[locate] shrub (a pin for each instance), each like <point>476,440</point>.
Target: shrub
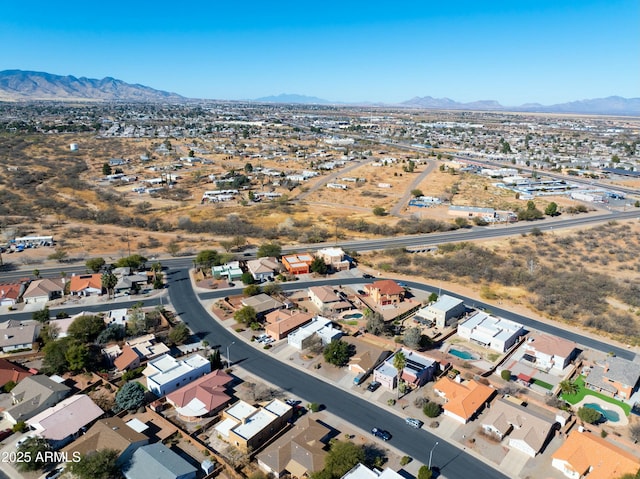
<point>506,375</point>
<point>589,415</point>
<point>313,407</point>
<point>405,460</point>
<point>432,409</point>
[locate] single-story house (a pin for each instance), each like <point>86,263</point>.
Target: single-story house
<point>360,471</point>
<point>109,433</point>
<point>297,263</point>
<point>463,400</point>
<point>327,301</point>
<point>491,332</point>
<point>584,454</point>
<point>43,290</point>
<point>16,335</point>
<point>201,397</point>
<point>10,293</point>
<point>262,303</point>
<point>281,322</point>
<point>60,423</point>
<point>12,372</point>
<point>85,284</point>
<point>615,376</point>
<point>166,374</point>
<point>301,452</point>
<point>264,269</point>
<point>528,430</point>
<point>231,271</point>
<point>320,327</point>
<point>33,395</point>
<point>157,461</point>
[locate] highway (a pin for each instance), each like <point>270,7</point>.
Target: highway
<point>12,272</point>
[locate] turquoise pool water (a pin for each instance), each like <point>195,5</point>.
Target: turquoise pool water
<point>353,316</point>
<point>608,414</point>
<point>461,354</point>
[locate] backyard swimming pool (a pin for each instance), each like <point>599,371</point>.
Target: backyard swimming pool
<point>353,316</point>
<point>461,354</point>
<point>608,414</point>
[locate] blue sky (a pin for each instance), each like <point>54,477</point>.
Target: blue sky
<point>515,51</point>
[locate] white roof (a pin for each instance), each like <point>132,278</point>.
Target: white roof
<point>446,302</point>
<point>166,368</point>
<point>360,471</point>
<point>195,408</point>
<point>137,425</point>
<point>225,426</point>
<point>308,329</point>
<point>240,410</point>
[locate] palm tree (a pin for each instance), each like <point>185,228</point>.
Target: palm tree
<point>567,387</point>
<point>109,281</point>
<point>399,362</point>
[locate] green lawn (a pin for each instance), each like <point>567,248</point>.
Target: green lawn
<point>542,384</point>
<point>583,391</point>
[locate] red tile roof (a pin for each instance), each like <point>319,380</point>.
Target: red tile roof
<point>387,286</point>
<point>209,389</point>
<point>12,372</point>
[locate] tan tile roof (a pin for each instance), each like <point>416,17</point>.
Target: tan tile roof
<point>289,322</point>
<point>127,357</point>
<point>110,433</point>
<point>583,451</point>
<point>463,399</point>
<point>43,287</point>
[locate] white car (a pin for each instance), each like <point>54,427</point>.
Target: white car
<point>22,440</point>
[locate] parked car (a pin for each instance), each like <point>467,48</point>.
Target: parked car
<point>415,423</point>
<point>367,276</point>
<point>381,433</point>
<point>55,473</point>
<point>22,440</point>
<point>373,385</point>
<point>5,434</point>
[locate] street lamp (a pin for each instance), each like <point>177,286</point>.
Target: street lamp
<point>431,454</point>
<point>228,358</point>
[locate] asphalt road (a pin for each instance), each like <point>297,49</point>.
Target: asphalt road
<point>453,463</point>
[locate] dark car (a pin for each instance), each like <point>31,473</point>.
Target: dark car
<point>381,433</point>
<point>367,276</point>
<point>373,385</point>
<point>5,434</point>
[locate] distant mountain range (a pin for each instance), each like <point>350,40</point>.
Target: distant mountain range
<point>613,105</point>
<point>293,98</point>
<point>19,85</point>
